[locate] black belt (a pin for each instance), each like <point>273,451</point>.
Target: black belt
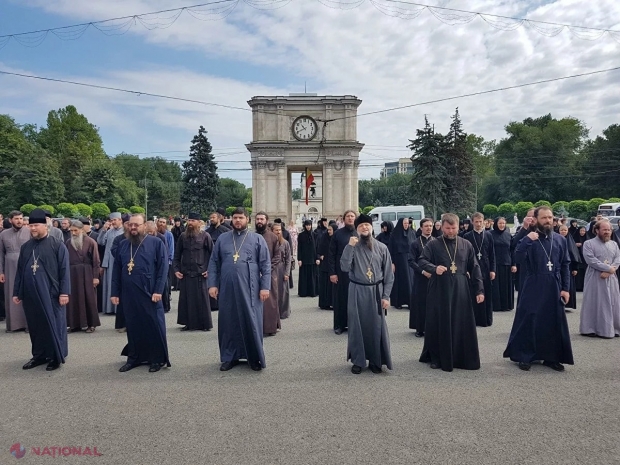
<point>377,292</point>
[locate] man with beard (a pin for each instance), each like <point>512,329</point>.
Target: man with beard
<point>65,225</point>
<point>540,329</point>
<point>417,307</point>
<point>221,213</point>
<point>450,339</point>
<point>600,309</point>
<point>369,266</point>
<point>216,228</point>
<point>84,271</point>
<point>110,230</point>
<point>119,319</point>
<point>287,237</point>
<point>43,286</point>
<point>191,261</point>
<point>482,241</point>
<point>138,281</point>
<point>11,241</point>
<point>529,225</point>
<point>239,276</point>
<point>340,278</point>
<point>177,230</point>
<point>271,312</point>
<point>162,228</point>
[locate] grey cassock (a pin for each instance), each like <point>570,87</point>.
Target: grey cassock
<point>10,244</point>
<point>600,308</point>
<point>368,337</point>
<point>106,238</point>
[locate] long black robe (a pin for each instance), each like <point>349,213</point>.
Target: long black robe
<point>287,236</point>
<point>325,285</point>
<point>398,246</point>
<point>93,234</point>
<point>215,233</point>
<point>483,245</point>
<point>503,286</point>
<point>119,319</point>
<point>518,278</point>
<point>306,254</point>
<point>191,258</point>
<point>176,233</point>
<point>384,237</point>
<point>575,260</point>
<point>339,241</point>
<point>419,292</point>
<point>39,291</point>
<point>450,338</point>
<point>145,319</point>
<point>540,329</point>
<point>583,266</point>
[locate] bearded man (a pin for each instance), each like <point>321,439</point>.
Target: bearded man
<point>271,311</point>
<point>162,228</point>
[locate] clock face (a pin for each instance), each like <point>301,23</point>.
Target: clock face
<point>304,128</point>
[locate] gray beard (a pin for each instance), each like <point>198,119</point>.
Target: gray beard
<point>367,241</point>
<point>77,242</point>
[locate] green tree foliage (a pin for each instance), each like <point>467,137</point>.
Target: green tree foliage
<point>296,193</point>
<point>540,159</point>
<point>136,209</point>
<point>27,208</point>
<point>367,209</point>
<point>247,202</point>
<point>428,182</point>
<point>614,200</point>
<point>521,208</point>
<point>230,210</point>
<point>200,179</point>
<point>506,210</point>
<point>100,210</point>
<point>83,209</point>
<point>593,205</point>
<point>560,207</point>
<point>123,210</point>
<point>542,203</point>
<point>482,154</point>
<point>460,193</point>
<point>579,209</point>
<point>49,208</point>
<point>395,190</point>
<point>68,210</point>
<point>600,167</point>
<point>490,210</point>
<point>231,192</point>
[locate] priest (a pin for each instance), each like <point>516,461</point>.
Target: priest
<point>368,263</point>
<point>417,307</point>
<point>239,276</point>
<point>43,286</point>
<point>271,310</point>
<point>400,241</point>
<point>191,260</point>
<point>138,280</point>
<point>450,339</point>
<point>600,310</point>
<point>540,330</point>
<point>110,230</point>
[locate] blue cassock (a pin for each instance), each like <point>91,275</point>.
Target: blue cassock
<point>540,329</point>
<point>240,319</point>
<point>145,319</point>
<point>39,292</point>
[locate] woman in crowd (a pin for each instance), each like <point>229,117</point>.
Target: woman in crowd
<point>503,287</point>
<point>325,285</point>
<point>580,237</point>
<point>400,240</point>
<point>307,261</point>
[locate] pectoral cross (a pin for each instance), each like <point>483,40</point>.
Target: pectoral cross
<point>606,262</point>
<point>34,267</point>
<point>130,266</point>
<point>235,257</point>
<point>479,256</point>
<point>369,274</point>
<point>550,265</point>
<point>453,268</point>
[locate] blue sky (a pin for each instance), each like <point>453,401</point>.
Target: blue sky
<point>386,61</point>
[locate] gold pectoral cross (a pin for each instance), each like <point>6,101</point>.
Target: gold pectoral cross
<point>130,266</point>
<point>453,268</point>
<point>34,267</point>
<point>235,257</point>
<point>369,274</point>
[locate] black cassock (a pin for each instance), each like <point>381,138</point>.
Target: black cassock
<point>325,285</point>
<point>145,319</point>
<point>503,287</point>
<point>450,338</point>
<point>306,254</point>
<point>518,278</point>
<point>191,258</point>
<point>340,239</point>
<point>484,251</point>
<point>417,307</point>
<point>39,290</point>
<point>400,240</point>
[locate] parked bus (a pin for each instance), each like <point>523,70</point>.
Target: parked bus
<point>394,213</point>
<point>609,209</point>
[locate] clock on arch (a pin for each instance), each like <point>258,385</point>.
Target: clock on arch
<point>304,128</point>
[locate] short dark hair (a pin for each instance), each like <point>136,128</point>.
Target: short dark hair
<point>262,213</point>
<point>15,213</point>
<point>450,218</point>
<point>141,215</point>
<point>477,215</point>
<point>240,211</point>
<point>423,221</point>
<point>541,208</point>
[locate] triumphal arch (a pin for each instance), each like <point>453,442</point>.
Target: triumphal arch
<point>304,133</point>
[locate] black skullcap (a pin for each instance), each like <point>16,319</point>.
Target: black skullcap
<point>37,216</point>
<point>193,216</point>
<point>125,217</point>
<point>221,211</point>
<point>176,218</point>
<point>47,213</point>
<point>278,220</point>
<point>363,219</point>
<point>84,220</point>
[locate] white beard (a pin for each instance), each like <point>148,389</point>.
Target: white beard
<point>77,242</point>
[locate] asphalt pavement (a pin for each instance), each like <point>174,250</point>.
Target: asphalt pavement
<point>307,407</point>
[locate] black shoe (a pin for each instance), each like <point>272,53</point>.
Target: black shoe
<point>126,367</point>
<point>185,328</point>
<point>34,362</point>
<point>154,368</point>
<point>229,365</point>
<point>554,366</point>
<point>525,366</point>
<point>434,366</point>
<point>356,369</point>
<point>52,365</point>
<point>256,366</point>
<point>419,334</point>
<point>338,331</point>
<point>375,369</point>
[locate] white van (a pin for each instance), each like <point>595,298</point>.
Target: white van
<point>394,213</point>
<point>609,209</point>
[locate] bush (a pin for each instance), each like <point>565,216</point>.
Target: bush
<point>365,210</point>
<point>506,210</point>
<point>136,209</point>
<point>100,211</point>
<point>522,208</point>
<point>613,200</point>
<point>560,207</point>
<point>593,205</point>
<point>579,209</point>
<point>123,210</point>
<point>49,208</point>
<point>68,210</point>
<point>27,208</point>
<point>230,210</point>
<point>489,210</point>
<point>542,203</point>
<point>83,209</point>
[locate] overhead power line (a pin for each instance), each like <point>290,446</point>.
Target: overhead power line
<point>221,9</point>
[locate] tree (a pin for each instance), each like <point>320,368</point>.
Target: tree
<point>601,154</point>
<point>461,182</point>
<point>200,179</point>
<point>49,208</point>
<point>560,207</point>
<point>367,209</point>
<point>593,205</point>
<point>542,203</point>
<point>68,210</point>
<point>136,209</point>
<point>521,208</point>
<point>506,210</point>
<point>579,209</point>
<point>489,210</point>
<point>231,192</point>
<point>296,193</point>
<point>100,210</point>
<point>483,158</point>
<point>428,181</point>
<point>27,208</point>
<point>83,209</point>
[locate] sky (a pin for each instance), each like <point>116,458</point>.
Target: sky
<point>228,52</point>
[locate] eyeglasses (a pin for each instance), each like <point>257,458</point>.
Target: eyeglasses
<point>134,225</point>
